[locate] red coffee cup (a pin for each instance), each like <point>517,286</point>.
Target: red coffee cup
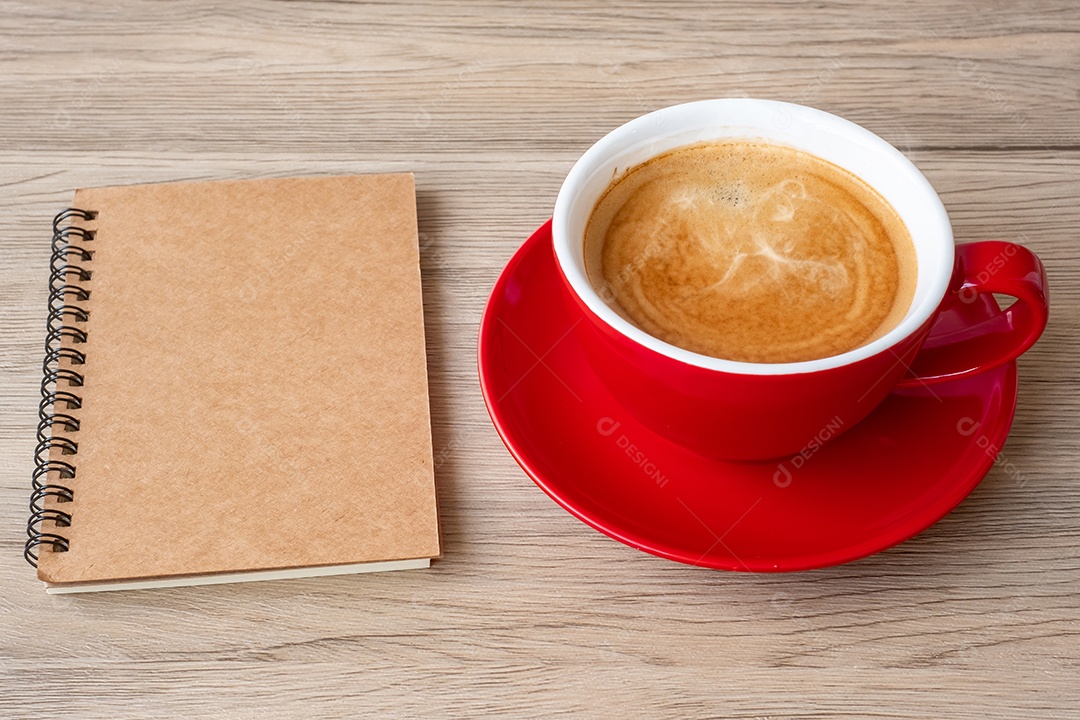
<point>760,411</point>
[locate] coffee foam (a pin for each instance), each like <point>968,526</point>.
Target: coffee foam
<point>750,251</point>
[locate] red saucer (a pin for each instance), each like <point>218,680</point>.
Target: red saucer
<point>892,476</point>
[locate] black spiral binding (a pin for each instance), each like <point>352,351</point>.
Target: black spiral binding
<point>65,327</point>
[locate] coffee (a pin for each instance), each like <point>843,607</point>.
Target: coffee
<point>749,251</point>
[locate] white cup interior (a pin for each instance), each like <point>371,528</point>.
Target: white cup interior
<point>827,136</point>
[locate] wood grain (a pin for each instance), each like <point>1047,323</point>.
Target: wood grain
<point>531,613</point>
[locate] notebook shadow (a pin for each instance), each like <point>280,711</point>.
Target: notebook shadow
<point>438,340</point>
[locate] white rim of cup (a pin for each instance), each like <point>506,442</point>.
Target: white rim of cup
<point>833,138</point>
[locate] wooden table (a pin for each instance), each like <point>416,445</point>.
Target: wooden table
<point>531,613</point>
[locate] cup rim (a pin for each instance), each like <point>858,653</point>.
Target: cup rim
<point>643,128</point>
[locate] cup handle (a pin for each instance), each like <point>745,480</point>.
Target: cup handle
<point>991,266</point>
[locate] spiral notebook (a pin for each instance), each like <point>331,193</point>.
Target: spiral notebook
<point>235,386</point>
